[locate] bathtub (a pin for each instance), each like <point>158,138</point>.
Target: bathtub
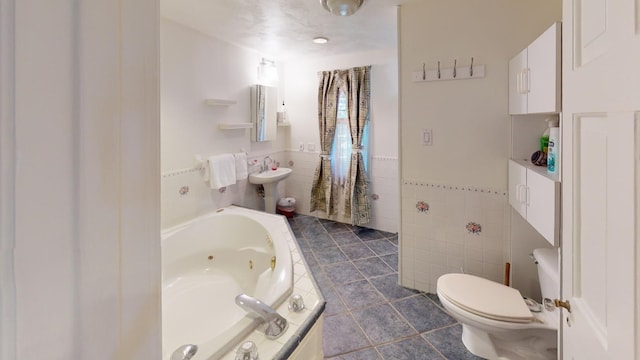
<point>206,263</point>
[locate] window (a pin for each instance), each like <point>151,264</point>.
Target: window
<point>341,147</point>
<point>343,144</point>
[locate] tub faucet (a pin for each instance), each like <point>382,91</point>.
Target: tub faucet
<point>265,166</point>
<point>184,352</point>
<point>275,324</point>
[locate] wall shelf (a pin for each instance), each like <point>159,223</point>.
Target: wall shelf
<point>219,102</point>
<point>541,170</point>
<point>235,126</point>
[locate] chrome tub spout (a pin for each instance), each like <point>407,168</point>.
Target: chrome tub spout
<point>275,324</point>
<point>184,352</point>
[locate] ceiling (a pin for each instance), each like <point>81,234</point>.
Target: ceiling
<point>282,29</point>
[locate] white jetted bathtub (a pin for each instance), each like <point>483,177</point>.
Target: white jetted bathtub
<point>206,263</point>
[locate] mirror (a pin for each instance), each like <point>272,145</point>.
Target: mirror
<point>264,106</point>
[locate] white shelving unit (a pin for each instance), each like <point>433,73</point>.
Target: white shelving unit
<point>534,88</point>
<point>227,125</point>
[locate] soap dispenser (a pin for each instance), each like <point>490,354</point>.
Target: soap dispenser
<point>281,116</point>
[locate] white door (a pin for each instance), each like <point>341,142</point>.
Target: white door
<point>542,202</point>
<point>543,64</point>
<point>517,90</point>
<point>518,188</point>
<point>601,107</point>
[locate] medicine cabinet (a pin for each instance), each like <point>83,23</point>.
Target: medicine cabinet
<point>264,106</point>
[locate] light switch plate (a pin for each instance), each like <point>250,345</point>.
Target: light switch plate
<point>427,137</point>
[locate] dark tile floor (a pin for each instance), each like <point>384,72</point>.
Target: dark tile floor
<point>368,315</point>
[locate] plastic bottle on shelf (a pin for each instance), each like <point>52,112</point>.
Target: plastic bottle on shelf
<point>544,139</point>
<point>553,156</point>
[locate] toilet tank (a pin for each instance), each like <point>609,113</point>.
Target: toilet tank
<point>548,271</point>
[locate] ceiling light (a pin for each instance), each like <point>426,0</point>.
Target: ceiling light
<point>341,7</point>
<point>320,40</point>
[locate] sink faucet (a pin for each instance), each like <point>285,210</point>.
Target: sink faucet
<point>275,324</point>
<point>265,165</point>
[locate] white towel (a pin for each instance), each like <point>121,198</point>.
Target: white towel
<point>222,170</point>
<point>241,165</point>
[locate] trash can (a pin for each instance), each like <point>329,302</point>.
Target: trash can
<point>286,206</point>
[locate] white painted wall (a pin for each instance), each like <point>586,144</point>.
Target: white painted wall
<point>471,129</point>
<point>301,92</point>
<point>194,67</point>
<point>80,140</point>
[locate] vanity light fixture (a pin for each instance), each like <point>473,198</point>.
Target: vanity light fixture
<point>265,62</point>
<point>267,72</point>
<point>342,7</point>
<point>320,40</point>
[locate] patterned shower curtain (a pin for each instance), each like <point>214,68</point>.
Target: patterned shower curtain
<point>358,92</point>
<point>321,195</point>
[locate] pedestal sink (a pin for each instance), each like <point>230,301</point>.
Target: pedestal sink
<point>269,179</point>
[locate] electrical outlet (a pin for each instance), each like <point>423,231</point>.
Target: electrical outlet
<point>311,147</point>
<point>427,137</point>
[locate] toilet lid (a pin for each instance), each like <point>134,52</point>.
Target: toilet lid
<point>484,298</point>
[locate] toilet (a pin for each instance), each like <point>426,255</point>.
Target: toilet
<point>497,322</point>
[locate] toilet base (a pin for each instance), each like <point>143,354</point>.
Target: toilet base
<point>518,345</point>
<point>478,342</point>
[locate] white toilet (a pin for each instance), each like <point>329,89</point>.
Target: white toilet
<point>497,322</point>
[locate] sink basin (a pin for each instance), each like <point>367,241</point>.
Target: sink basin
<point>270,176</point>
<point>269,180</point>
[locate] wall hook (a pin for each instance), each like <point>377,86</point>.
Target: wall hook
<point>467,71</point>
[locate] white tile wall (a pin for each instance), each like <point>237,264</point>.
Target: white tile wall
<point>177,207</point>
<point>199,199</point>
<point>437,241</point>
<point>383,175</point>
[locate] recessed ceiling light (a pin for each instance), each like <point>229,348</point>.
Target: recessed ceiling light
<point>320,40</point>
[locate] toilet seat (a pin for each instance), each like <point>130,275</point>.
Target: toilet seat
<point>485,298</point>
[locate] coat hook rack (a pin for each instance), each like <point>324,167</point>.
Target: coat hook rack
<point>476,71</point>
